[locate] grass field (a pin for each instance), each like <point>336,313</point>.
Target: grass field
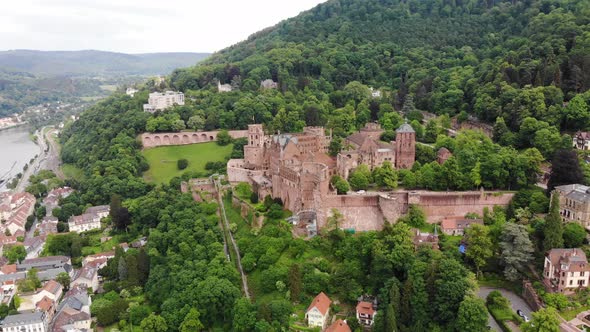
<point>163,159</point>
<point>72,172</point>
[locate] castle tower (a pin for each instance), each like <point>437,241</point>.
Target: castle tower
<point>405,146</point>
<point>254,150</point>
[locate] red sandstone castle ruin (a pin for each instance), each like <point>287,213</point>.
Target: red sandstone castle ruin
<point>296,168</point>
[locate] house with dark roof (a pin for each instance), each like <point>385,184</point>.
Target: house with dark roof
<point>457,225</point>
<point>574,203</point>
<point>318,311</point>
<point>581,140</point>
<point>566,270</point>
<point>36,321</point>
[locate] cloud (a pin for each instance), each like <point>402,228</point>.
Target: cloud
<point>137,26</point>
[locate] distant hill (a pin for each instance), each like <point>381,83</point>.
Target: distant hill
<point>87,63</point>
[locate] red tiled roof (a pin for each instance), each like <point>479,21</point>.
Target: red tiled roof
<point>339,326</point>
<point>52,287</point>
<point>365,308</point>
<point>322,302</point>
<point>8,269</point>
<point>45,304</point>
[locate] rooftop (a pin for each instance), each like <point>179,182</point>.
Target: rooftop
<point>321,302</point>
<point>23,319</point>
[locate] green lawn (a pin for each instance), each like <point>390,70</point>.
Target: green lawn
<point>72,172</point>
<point>163,159</point>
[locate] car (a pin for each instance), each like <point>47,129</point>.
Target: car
<point>520,313</point>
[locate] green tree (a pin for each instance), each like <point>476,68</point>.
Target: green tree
<point>358,180</point>
<point>473,315</point>
<point>573,235</point>
<point>64,279</point>
<point>244,316</point>
<point>335,146</point>
<point>196,122</point>
<point>479,245</point>
<point>181,164</point>
<point>15,253</point>
<point>191,322</point>
<point>565,169</point>
<point>223,138</point>
<point>154,323</point>
<point>516,250</point>
<point>340,185</point>
<point>553,229</point>
<point>544,320</point>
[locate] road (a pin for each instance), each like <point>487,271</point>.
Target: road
<point>48,158</point>
<point>52,160</point>
<point>516,302</point>
<point>231,237</point>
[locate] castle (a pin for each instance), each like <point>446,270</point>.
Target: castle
<point>296,168</point>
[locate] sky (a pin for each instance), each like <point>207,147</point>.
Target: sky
<point>139,26</point>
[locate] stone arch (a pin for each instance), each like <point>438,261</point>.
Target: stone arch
<point>211,138</point>
<point>203,137</point>
<point>166,140</point>
<point>195,138</point>
<point>147,142</point>
<point>175,139</point>
<point>186,139</point>
<point>157,140</point>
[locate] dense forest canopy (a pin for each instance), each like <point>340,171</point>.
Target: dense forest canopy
<point>511,59</point>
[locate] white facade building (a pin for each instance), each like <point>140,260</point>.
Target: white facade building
<point>160,101</point>
<point>30,322</point>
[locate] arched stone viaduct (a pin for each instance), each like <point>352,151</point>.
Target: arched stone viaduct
<point>152,140</point>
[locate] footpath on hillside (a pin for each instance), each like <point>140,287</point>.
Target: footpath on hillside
<point>231,237</point>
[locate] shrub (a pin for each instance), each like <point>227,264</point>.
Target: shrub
<point>182,164</point>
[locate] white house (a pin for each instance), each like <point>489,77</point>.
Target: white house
<point>318,311</point>
<point>29,322</point>
<point>52,290</point>
<point>87,276</point>
<point>161,101</point>
<point>89,220</point>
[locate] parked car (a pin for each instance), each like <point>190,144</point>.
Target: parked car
<point>520,313</point>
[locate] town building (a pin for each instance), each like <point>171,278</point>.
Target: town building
<point>223,87</point>
<point>365,313</point>
<point>581,140</point>
<point>158,101</point>
<point>421,239</point>
<point>87,276</point>
<point>375,93</point>
<point>318,311</point>
<point>442,155</point>
<point>456,225</point>
<point>574,203</point>
<point>51,201</point>
<point>73,313</point>
<point>268,84</point>
<point>131,92</point>
<point>14,210</point>
<point>89,220</point>
<point>50,292</point>
<point>29,322</point>
<point>339,326</point>
<point>566,269</point>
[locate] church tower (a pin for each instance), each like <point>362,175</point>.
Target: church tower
<point>405,146</point>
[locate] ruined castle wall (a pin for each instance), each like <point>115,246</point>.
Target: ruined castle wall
<point>236,172</point>
<point>439,205</point>
<point>394,205</point>
<point>361,213</point>
<point>151,140</point>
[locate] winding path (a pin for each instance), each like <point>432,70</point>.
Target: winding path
<point>516,302</point>
<point>231,237</point>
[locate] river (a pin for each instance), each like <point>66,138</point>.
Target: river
<point>16,150</point>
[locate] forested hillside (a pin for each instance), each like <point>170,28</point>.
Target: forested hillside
<point>511,59</point>
<point>520,65</point>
